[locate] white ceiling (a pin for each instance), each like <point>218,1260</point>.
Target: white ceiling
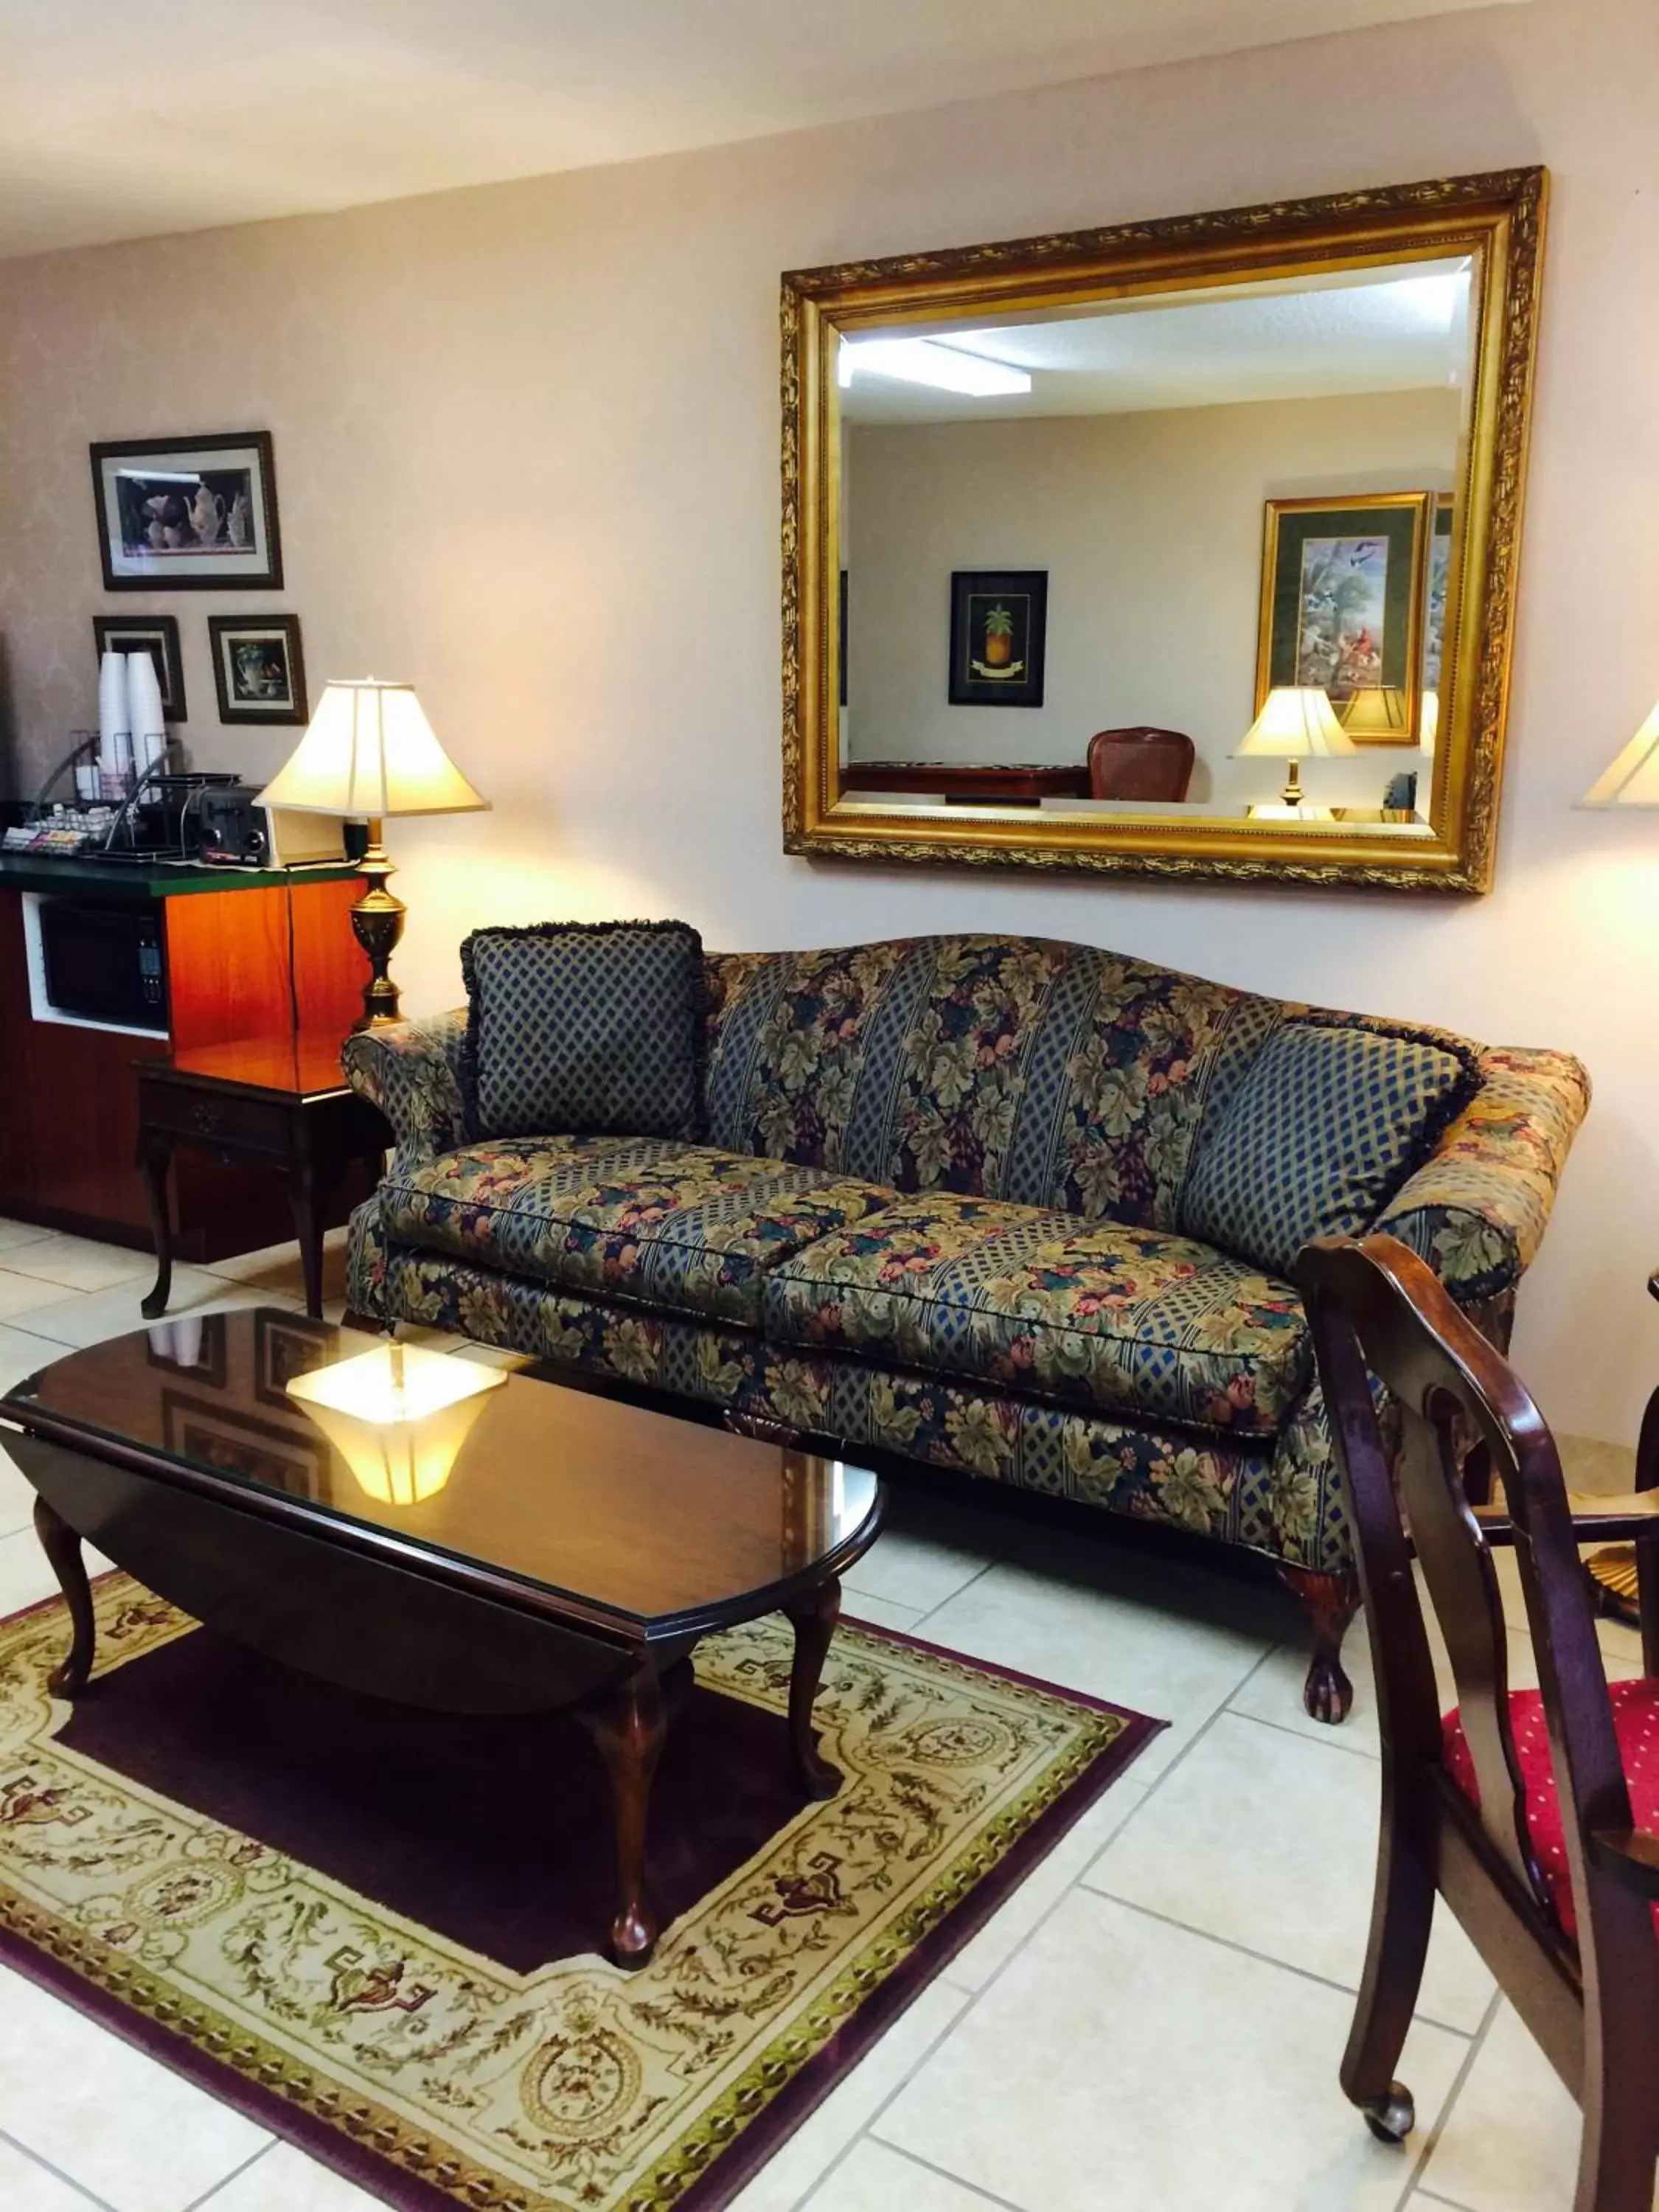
<point>1398,328</point>
<point>124,120</point>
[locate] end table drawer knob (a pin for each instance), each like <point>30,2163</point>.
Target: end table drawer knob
<point>208,1120</point>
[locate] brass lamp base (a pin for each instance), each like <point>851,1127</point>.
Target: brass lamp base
<point>377,923</point>
<point>1293,794</point>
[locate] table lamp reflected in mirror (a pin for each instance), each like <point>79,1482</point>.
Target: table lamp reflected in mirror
<point>369,751</point>
<point>397,1416</point>
<point>1296,722</point>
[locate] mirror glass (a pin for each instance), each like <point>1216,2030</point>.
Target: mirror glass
<point>1180,553</point>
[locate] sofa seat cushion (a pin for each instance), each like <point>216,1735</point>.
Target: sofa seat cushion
<point>1118,1319</point>
<point>650,1219</point>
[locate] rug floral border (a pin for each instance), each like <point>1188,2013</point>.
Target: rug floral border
<point>385,2154</point>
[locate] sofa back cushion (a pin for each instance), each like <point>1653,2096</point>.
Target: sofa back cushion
<point>577,1028</point>
<point>1017,1069</point>
<point>1331,1116</point>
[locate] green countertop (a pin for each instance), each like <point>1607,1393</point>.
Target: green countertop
<point>148,879</point>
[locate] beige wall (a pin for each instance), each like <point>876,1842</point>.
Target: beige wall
<point>1150,527</point>
<point>526,438</point>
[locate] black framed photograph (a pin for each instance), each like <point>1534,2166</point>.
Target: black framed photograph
<point>295,1459</point>
<point>998,626</point>
<point>259,669</point>
<point>285,1346</point>
<point>188,513</point>
<point>155,635</point>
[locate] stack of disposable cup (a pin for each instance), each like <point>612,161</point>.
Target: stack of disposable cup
<point>149,735</point>
<point>114,725</point>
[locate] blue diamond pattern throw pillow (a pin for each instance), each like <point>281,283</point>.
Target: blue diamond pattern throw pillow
<point>1326,1125</point>
<point>584,1029</point>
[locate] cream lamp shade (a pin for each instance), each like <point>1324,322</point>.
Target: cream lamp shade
<point>369,751</point>
<point>1428,721</point>
<point>1295,720</point>
<point>1633,778</point>
<point>397,1416</point>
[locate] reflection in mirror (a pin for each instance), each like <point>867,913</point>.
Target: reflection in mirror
<point>1082,549</point>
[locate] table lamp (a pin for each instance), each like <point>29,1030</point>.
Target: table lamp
<point>1632,780</point>
<point>1294,721</point>
<point>369,751</point>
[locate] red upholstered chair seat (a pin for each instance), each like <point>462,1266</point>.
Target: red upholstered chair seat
<point>1635,1723</point>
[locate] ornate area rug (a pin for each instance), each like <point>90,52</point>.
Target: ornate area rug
<point>373,1930</point>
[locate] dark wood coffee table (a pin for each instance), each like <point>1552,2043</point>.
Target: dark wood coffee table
<point>527,1546</point>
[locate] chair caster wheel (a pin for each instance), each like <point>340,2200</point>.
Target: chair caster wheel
<point>1391,2118</point>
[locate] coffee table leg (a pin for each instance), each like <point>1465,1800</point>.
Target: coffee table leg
<point>628,1722</point>
<point>62,1547</point>
<point>814,1618</point>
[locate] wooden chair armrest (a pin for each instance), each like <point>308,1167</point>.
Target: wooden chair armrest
<point>1629,1856</point>
<point>1619,1517</point>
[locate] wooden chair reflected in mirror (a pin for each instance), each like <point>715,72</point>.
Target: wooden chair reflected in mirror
<point>1532,1813</point>
<point>1140,763</point>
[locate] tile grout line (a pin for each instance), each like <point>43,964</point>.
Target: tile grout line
<point>1348,1750</point>
<point>978,1575</point>
<point>944,2173</point>
<point>1460,2079</point>
<point>800,2203</point>
<point>974,1997</point>
<point>1263,1958</point>
<point>235,2174</point>
<point>56,2171</point>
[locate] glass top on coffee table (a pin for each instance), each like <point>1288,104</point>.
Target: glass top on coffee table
<point>575,1499</point>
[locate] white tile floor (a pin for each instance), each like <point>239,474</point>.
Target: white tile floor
<point>1151,2023</point>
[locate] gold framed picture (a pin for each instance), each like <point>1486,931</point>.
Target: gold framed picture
<point>1342,607</point>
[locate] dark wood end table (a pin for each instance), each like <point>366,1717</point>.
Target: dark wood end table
<point>280,1102</point>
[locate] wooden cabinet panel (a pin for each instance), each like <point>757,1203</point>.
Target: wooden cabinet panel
<point>227,962</point>
<point>68,1107</point>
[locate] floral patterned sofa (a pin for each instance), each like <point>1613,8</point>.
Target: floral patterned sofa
<point>944,1209</point>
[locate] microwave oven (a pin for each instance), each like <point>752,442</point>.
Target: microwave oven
<point>105,962</point>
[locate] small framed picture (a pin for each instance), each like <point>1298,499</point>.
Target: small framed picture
<point>259,669</point>
<point>155,635</point>
<point>188,513</point>
<point>999,622</point>
<point>285,1346</point>
<point>244,1447</point>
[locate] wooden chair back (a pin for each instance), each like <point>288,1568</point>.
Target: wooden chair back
<point>1384,1324</point>
<point>1141,762</point>
<point>1375,1306</point>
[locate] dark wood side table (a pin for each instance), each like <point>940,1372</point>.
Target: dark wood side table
<point>280,1102</point>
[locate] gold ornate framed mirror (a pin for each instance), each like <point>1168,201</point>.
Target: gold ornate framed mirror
<point>1184,547</point>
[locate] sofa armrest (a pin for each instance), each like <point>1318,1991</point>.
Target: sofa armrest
<point>1475,1210</point>
<point>411,1072</point>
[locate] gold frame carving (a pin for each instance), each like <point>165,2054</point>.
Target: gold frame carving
<point>1497,219</point>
